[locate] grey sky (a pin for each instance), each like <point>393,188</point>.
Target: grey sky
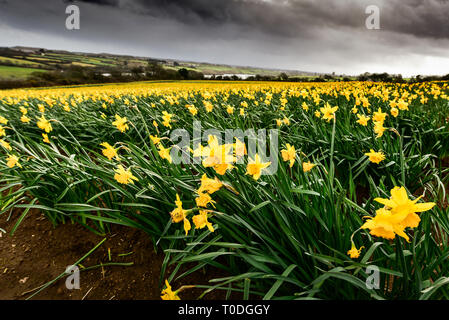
<point>309,35</point>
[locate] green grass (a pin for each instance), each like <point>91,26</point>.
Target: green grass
<point>16,73</point>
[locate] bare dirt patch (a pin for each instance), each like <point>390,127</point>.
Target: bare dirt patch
<point>39,252</point>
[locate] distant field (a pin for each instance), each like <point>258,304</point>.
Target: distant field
<point>105,63</point>
<point>16,73</point>
<point>20,64</point>
<point>81,64</point>
<point>18,61</point>
<point>39,58</point>
<point>67,58</point>
<point>218,70</point>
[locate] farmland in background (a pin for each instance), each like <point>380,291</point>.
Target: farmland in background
<point>42,60</point>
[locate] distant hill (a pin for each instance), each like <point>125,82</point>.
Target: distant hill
<point>18,63</point>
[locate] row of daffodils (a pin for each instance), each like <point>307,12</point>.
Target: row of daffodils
<point>122,112</point>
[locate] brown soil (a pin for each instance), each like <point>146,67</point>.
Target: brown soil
<point>38,253</point>
<point>363,194</point>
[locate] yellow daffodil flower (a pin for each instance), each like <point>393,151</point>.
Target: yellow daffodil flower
<point>44,124</point>
<point>255,167</point>
<point>375,157</point>
<point>363,120</point>
<point>45,138</point>
<point>124,176</point>
<point>307,166</point>
<point>12,161</point>
<point>168,293</point>
<point>399,203</point>
<point>289,154</point>
<point>200,221</point>
<point>5,145</point>
<point>354,253</point>
<point>328,112</point>
<point>109,151</point>
<point>121,123</point>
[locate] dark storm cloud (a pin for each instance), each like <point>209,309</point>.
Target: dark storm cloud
<point>278,17</point>
<point>99,2</point>
<point>323,36</point>
<point>288,18</point>
<point>421,18</point>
